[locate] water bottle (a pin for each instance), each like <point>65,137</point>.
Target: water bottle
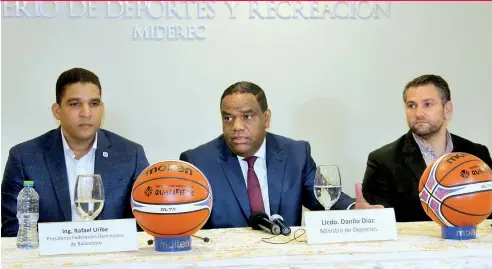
<point>28,215</point>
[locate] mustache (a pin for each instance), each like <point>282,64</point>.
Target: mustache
<point>421,119</point>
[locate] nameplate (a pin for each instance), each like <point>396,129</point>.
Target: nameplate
<point>333,226</point>
<point>87,236</point>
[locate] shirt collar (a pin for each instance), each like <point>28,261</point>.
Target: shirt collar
<point>66,147</point>
<point>427,147</point>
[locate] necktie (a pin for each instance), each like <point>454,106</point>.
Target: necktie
<point>254,189</point>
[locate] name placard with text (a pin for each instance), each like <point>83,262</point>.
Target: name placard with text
<point>333,226</point>
<point>87,236</point>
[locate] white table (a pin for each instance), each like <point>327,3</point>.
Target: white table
<point>419,246</point>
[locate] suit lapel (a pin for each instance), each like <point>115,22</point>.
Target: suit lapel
<point>457,144</point>
<point>413,156</point>
<point>232,170</point>
<point>55,162</point>
<point>275,161</point>
<point>102,162</point>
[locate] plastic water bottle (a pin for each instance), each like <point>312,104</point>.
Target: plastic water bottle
<point>28,215</point>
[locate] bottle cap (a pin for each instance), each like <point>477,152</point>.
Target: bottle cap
<point>28,183</point>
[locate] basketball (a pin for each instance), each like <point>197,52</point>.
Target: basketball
<point>171,199</point>
<point>456,190</point>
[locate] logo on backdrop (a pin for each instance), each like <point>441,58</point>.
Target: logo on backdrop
<point>164,20</point>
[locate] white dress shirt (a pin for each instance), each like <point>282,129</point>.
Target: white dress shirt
<point>261,172</point>
<point>85,165</point>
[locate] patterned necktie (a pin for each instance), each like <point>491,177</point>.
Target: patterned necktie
<point>254,189</point>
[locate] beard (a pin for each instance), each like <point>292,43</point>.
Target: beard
<point>426,130</point>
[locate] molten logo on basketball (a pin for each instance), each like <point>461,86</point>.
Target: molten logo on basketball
<point>169,167</point>
<point>171,199</point>
<point>456,156</point>
<point>456,190</point>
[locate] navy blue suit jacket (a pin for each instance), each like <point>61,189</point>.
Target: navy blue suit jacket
<point>290,176</point>
<point>42,160</point>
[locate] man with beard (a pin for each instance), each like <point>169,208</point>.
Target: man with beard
<point>393,171</point>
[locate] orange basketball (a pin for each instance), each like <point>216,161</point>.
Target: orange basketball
<point>171,199</point>
<point>456,190</point>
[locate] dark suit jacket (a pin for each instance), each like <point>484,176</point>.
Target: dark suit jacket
<point>290,176</point>
<point>42,160</point>
<point>393,173</point>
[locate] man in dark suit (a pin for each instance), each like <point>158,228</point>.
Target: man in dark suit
<point>393,171</point>
<point>251,170</point>
<point>54,159</point>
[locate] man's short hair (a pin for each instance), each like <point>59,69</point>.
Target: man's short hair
<point>72,76</point>
<point>427,79</point>
<point>247,87</point>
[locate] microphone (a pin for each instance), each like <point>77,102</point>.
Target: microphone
<point>205,239</point>
<point>260,220</point>
<point>277,219</point>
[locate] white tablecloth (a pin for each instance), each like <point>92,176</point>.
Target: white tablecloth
<point>418,246</point>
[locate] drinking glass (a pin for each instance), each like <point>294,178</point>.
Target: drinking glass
<point>89,196</point>
<point>327,185</point>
